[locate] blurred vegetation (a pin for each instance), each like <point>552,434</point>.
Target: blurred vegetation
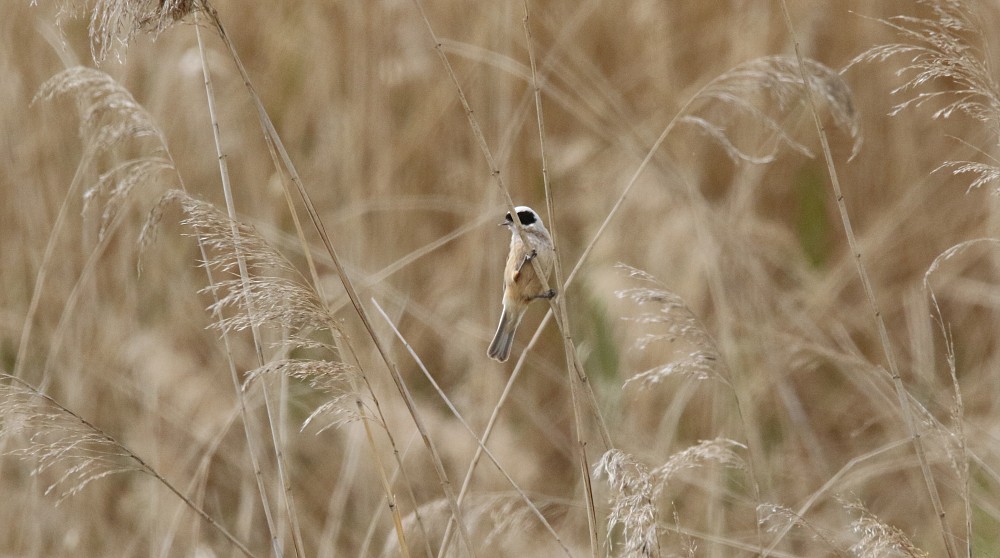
<point>756,251</point>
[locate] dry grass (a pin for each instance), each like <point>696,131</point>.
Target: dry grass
<point>283,374</point>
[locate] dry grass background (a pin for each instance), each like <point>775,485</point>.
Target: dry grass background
<point>804,428</point>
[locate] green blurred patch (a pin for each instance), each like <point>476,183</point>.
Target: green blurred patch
<point>8,354</point>
<point>984,539</point>
<point>812,222</point>
<point>602,363</point>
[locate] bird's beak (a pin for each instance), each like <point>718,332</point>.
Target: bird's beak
<point>504,224</point>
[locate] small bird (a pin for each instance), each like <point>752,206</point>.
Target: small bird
<point>520,283</point>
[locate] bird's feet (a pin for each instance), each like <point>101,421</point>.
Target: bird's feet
<point>527,258</point>
<point>547,295</point>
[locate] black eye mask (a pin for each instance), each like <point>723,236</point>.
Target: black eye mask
<point>525,217</point>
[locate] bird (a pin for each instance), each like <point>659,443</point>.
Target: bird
<point>521,284</point>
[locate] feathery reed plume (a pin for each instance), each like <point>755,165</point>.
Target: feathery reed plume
<point>982,173</point>
<point>765,90</point>
<point>721,451</point>
<point>333,379</point>
<point>688,546</point>
<point>778,519</point>
<point>940,50</point>
<point>635,488</point>
<point>947,49</point>
<point>108,112</point>
<point>114,23</point>
<point>632,505</point>
<point>58,438</point>
<point>115,185</point>
<point>878,539</point>
<point>680,323</point>
<point>276,300</point>
<point>109,115</point>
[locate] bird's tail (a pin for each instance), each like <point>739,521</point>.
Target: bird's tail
<point>504,339</point>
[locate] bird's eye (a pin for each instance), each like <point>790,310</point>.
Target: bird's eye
<point>526,217</point>
<point>508,218</point>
